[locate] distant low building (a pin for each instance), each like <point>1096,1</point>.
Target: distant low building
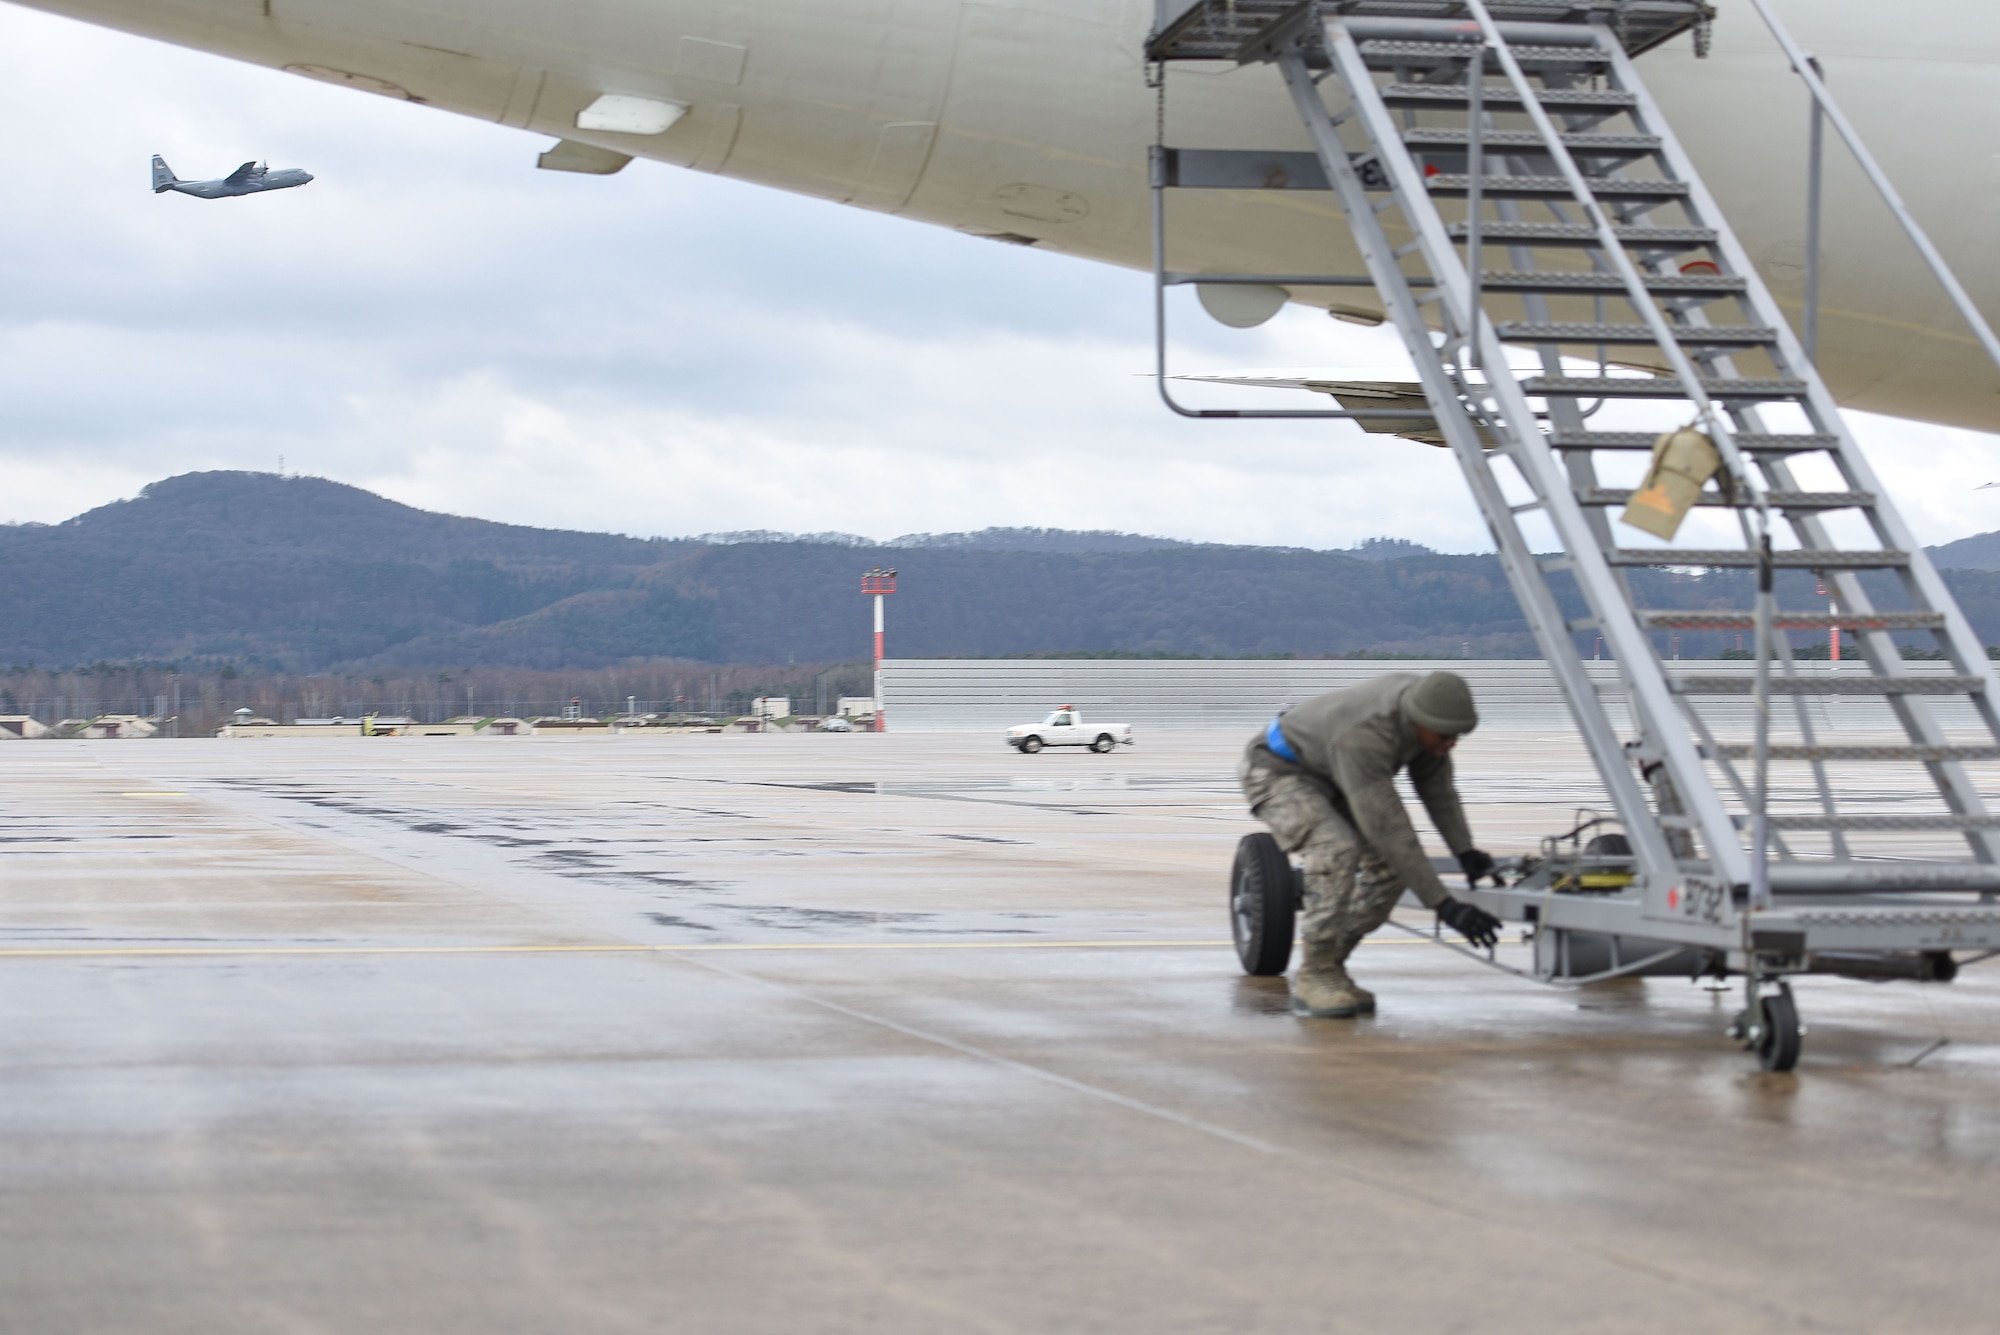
<point>447,729</point>
<point>14,726</point>
<point>371,725</point>
<point>397,725</point>
<point>575,727</point>
<point>771,706</point>
<point>315,728</point>
<point>856,706</point>
<point>118,725</point>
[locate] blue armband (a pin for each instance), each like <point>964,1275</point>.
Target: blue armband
<point>1274,741</point>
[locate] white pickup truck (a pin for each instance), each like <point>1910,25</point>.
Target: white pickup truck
<point>1066,727</point>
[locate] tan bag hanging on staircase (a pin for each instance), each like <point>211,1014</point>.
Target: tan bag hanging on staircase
<point>1683,461</point>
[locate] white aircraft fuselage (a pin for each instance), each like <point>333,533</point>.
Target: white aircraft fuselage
<point>1029,120</point>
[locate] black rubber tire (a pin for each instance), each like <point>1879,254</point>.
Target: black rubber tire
<point>1263,902</point>
<point>1030,745</point>
<point>1104,744</point>
<point>1778,1047</point>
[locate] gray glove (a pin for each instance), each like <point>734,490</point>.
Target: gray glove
<point>1475,924</point>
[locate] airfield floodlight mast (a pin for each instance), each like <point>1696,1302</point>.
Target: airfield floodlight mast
<point>878,584</point>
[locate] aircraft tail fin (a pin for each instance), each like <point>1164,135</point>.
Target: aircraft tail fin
<point>163,175</point>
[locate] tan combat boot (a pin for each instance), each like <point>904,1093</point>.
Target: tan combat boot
<point>1321,988</point>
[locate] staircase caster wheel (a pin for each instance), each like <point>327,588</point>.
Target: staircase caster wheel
<point>1781,1034</point>
<point>1263,902</point>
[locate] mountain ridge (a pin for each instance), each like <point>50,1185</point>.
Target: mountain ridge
<point>305,574</point>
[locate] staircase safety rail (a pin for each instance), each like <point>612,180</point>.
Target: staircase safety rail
<point>1824,106</point>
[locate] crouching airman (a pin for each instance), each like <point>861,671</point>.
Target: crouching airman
<point>1322,776</point>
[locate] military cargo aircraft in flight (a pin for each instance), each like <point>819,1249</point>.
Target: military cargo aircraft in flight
<point>252,178</point>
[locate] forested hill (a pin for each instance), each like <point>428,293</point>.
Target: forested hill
<point>302,574</point>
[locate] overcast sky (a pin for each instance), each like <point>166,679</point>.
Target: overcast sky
<point>657,352</point>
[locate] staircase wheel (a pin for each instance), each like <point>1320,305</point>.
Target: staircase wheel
<point>1263,900</point>
<point>1778,1045</point>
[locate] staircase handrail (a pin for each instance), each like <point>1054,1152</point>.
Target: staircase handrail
<point>1802,65</point>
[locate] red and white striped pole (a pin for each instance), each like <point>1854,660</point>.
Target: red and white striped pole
<point>879,583</point>
<point>881,714</point>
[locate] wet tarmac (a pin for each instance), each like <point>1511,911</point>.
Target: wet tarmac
<point>887,1034</point>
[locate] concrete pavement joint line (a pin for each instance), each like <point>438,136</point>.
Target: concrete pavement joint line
<point>22,953</point>
<point>1272,1148</point>
<point>121,951</point>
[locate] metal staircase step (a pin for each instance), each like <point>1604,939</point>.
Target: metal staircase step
<point>1821,500</point>
<point>1664,619</point>
<point>1878,823</point>
<point>1830,685</point>
<point>1783,500</point>
<point>1213,29</point>
<point>1739,558</point>
<point>1659,387</point>
<point>1708,336</point>
<point>1237,29</point>
<point>1591,145</point>
<point>1927,754</point>
<point>1751,442</point>
<point>1384,53</point>
<point>1421,95</point>
<point>1639,25</point>
<point>1978,876</point>
<point>1577,234</point>
<point>1560,280</point>
<point>1454,184</point>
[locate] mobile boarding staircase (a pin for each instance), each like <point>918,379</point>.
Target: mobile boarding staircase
<point>1556,162</point>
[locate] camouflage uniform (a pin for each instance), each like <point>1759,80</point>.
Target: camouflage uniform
<point>1349,891</point>
<point>1338,811</point>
